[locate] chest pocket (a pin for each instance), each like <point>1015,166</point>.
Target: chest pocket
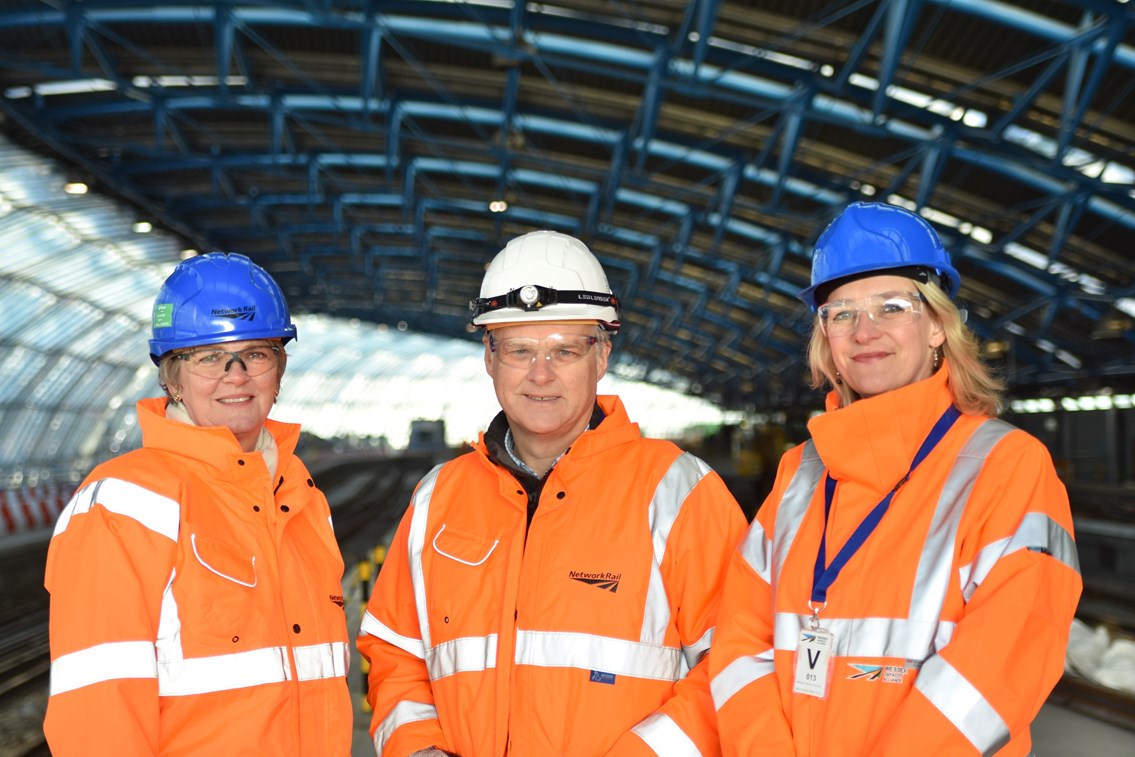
<point>465,548</point>
<point>226,561</point>
<point>465,584</point>
<point>219,602</point>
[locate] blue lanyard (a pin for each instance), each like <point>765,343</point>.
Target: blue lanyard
<point>823,577</point>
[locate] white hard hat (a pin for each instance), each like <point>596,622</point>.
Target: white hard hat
<point>545,276</point>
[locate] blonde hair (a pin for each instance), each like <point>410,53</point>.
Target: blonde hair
<point>169,367</point>
<point>975,389</point>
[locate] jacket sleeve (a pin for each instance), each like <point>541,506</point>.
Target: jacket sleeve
<point>709,525</point>
<point>404,718</point>
<point>743,680</point>
<point>108,564</point>
<point>1019,575</point>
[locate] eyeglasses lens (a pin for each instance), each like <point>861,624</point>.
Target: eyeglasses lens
<point>887,311</point>
<point>216,363</point>
<point>521,352</point>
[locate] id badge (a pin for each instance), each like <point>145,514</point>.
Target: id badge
<point>813,662</point>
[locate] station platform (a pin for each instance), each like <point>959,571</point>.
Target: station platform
<point>1060,732</point>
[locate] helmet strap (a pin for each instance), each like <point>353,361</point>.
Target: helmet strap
<point>533,297</point>
<point>918,273</point>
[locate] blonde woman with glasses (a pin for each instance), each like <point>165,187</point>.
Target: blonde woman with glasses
<point>908,585</point>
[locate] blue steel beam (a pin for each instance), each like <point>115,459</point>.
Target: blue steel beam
<point>647,117</point>
<point>1010,160</point>
<point>370,84</point>
<point>316,102</point>
<point>793,119</point>
<point>1080,94</point>
<point>1042,26</point>
<point>1025,99</point>
<point>854,61</point>
<point>223,31</point>
<point>706,19</point>
<point>900,16</point>
<point>933,161</point>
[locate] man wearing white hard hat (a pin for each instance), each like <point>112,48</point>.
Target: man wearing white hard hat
<point>553,591</point>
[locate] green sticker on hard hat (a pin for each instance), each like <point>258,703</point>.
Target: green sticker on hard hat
<point>163,315</point>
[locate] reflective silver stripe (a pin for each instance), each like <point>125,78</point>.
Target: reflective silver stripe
<point>868,637</point>
<point>756,550</point>
<point>317,661</point>
<point>403,713</point>
<point>665,737</point>
<point>693,653</point>
<point>739,674</point>
<point>552,649</point>
<point>168,644</point>
<point>203,675</point>
<point>963,705</point>
<point>680,479</point>
<point>766,557</point>
<point>933,576</point>
<point>180,676</point>
<point>416,544</point>
<point>923,633</point>
<point>1037,532</point>
<point>160,514</point>
<point>372,626</point>
<point>102,662</point>
<point>466,654</point>
<point>793,506</point>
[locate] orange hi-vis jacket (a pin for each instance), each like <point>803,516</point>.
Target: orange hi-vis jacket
<point>196,604</point>
<point>584,637</point>
<point>950,622</point>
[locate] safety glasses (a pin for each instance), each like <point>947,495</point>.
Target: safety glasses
<point>887,310</point>
<point>214,364</point>
<point>521,352</point>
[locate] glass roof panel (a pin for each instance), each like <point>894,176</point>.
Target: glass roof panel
<point>76,288</point>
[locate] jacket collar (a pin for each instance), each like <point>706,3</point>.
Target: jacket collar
<point>873,441</point>
<point>610,426</point>
<point>213,445</point>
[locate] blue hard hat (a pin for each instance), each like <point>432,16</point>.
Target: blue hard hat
<point>215,298</point>
<point>877,238</point>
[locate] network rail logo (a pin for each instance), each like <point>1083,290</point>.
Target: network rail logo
<point>243,313</point>
<point>601,580</point>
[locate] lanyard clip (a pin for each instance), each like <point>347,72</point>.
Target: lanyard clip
<point>814,622</point>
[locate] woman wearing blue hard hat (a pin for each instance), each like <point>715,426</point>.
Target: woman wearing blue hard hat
<point>196,603</point>
<point>909,583</point>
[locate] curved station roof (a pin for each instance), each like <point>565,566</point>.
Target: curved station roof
<point>374,156</point>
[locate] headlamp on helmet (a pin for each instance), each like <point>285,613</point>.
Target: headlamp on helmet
<point>545,276</point>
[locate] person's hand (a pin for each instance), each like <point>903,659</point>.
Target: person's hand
<point>432,751</point>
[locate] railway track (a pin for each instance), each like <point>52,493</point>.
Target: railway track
<point>25,663</point>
